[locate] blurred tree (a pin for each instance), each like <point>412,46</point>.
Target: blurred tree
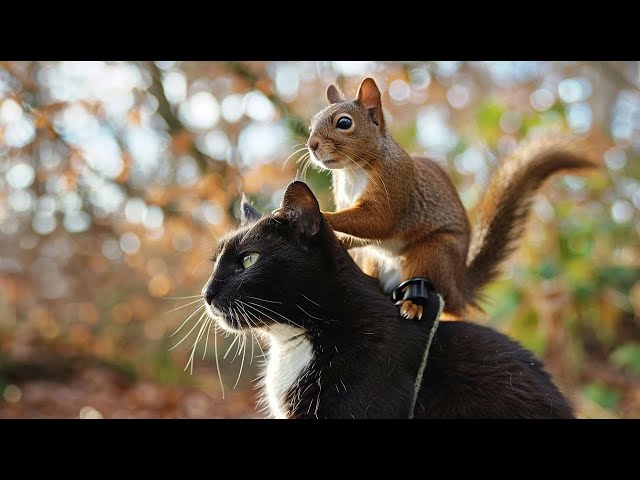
<point>117,178</point>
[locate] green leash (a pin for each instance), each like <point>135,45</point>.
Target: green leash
<point>425,357</point>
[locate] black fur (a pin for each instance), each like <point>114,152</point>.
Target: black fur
<point>365,356</point>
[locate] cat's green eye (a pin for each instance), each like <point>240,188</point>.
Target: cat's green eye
<point>250,259</point>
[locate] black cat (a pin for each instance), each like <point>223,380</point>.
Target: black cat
<point>338,347</point>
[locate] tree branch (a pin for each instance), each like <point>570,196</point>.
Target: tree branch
<point>205,163</point>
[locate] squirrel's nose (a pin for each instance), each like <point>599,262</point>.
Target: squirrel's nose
<point>313,144</point>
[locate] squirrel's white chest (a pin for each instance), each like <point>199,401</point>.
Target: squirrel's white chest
<point>348,186</point>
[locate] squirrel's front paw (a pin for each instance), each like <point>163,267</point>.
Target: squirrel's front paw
<point>410,310</point>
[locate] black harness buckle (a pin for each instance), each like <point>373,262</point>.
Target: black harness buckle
<point>421,292</point>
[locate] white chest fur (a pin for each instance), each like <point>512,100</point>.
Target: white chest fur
<point>349,185</point>
<point>287,361</point>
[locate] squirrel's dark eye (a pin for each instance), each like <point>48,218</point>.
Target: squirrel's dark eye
<point>344,123</point>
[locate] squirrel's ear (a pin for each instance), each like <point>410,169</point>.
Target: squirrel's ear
<point>369,97</point>
<point>333,95</point>
<point>248,214</point>
<point>301,207</point>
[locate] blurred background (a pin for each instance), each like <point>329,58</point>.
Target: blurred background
<point>116,178</point>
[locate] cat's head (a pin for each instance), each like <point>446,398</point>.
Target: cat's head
<point>342,132</point>
<point>273,267</point>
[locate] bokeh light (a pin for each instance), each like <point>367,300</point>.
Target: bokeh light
<point>117,179</point>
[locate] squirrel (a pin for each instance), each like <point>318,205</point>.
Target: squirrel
<point>405,211</point>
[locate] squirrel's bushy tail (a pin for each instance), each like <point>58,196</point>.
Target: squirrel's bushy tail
<point>505,206</point>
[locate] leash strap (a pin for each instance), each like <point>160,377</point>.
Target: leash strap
<point>421,292</point>
<point>425,357</point>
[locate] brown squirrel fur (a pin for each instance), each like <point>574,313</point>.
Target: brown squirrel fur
<point>406,211</point>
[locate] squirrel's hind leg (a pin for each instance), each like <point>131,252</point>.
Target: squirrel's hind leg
<point>440,260</point>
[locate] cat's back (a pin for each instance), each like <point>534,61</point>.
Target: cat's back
<point>477,372</point>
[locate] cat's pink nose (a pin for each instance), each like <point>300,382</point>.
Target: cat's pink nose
<point>313,144</point>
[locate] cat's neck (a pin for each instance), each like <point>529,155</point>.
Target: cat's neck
<point>358,325</point>
<point>347,303</point>
<point>354,298</point>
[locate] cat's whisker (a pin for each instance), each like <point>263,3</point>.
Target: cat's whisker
<point>235,339</point>
<point>252,341</point>
<point>242,337</point>
<point>255,325</point>
<point>238,347</point>
<point>215,347</point>
<point>187,319</point>
<point>205,324</point>
<point>251,313</point>
<point>262,313</point>
<point>206,341</point>
<point>181,298</point>
<point>284,339</point>
<point>249,324</point>
<point>263,299</point>
<point>307,313</point>
<point>294,347</point>
<point>260,347</point>
<point>244,351</point>
<point>315,303</point>
<point>279,314</point>
<point>190,331</point>
<point>183,306</point>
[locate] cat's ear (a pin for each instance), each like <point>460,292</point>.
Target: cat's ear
<point>301,207</point>
<point>369,97</point>
<point>333,95</point>
<point>248,214</point>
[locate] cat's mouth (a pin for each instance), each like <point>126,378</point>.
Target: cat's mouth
<point>227,320</point>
